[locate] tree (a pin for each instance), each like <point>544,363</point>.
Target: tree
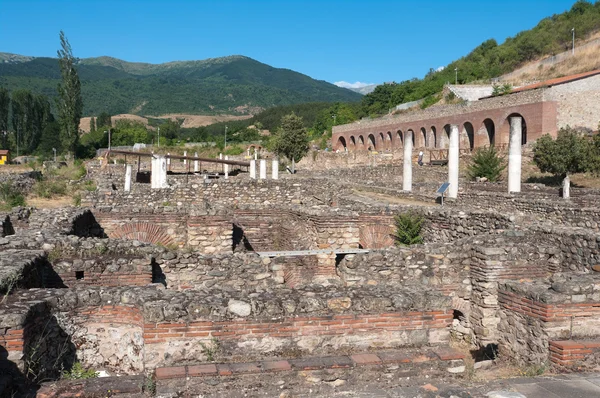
<point>127,132</point>
<point>92,124</point>
<point>566,155</point>
<point>69,102</point>
<point>486,163</point>
<point>22,116</point>
<point>4,111</point>
<point>291,140</point>
<point>170,129</point>
<point>104,120</point>
<point>41,116</point>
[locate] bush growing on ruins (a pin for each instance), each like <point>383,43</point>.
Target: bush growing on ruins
<point>486,163</point>
<point>10,196</point>
<point>569,153</point>
<point>47,189</point>
<point>503,89</point>
<point>291,140</point>
<point>79,372</point>
<point>408,229</point>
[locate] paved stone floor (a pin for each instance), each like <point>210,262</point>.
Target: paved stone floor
<point>374,383</point>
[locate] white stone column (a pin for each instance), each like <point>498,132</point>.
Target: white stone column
<point>184,154</point>
<point>255,154</point>
<point>220,156</point>
<point>127,178</point>
<point>453,160</point>
<point>159,172</point>
<point>263,169</point>
<point>514,154</point>
<point>566,194</point>
<point>275,169</point>
<point>168,159</point>
<point>407,169</point>
<point>196,163</point>
<point>253,169</point>
<point>226,167</point>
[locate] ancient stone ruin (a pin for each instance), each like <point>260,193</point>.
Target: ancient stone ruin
<point>209,278</point>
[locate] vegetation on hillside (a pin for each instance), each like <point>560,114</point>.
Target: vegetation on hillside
<point>193,87</point>
<point>552,35</point>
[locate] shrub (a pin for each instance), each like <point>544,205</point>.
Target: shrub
<point>79,372</point>
<point>486,163</point>
<point>11,196</point>
<point>233,151</point>
<point>408,229</point>
<point>47,189</point>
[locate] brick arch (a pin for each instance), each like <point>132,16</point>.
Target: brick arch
<point>485,135</point>
<point>462,305</point>
<point>376,236</point>
<point>503,127</point>
<point>144,232</point>
<point>467,136</point>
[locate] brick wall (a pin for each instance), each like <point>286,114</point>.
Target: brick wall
<point>540,118</point>
<point>258,338</point>
<point>528,325</point>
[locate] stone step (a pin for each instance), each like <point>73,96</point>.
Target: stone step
<point>451,358</point>
<point>96,387</point>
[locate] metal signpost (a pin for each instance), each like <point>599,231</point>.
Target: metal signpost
<point>441,190</point>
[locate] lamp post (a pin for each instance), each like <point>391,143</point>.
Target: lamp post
<point>573,48</point>
<point>158,142</point>
<point>455,76</point>
<point>54,150</point>
<point>225,146</point>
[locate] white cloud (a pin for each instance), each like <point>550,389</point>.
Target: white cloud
<point>352,85</point>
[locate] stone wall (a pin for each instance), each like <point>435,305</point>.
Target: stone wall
<point>226,193</point>
<point>115,325</point>
<point>534,314</point>
<point>578,102</point>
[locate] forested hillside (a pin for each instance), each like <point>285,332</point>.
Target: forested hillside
<point>202,87</point>
<point>552,35</point>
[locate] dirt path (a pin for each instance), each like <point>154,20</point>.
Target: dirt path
<point>389,199</point>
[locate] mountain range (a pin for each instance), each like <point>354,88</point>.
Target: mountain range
<point>227,85</point>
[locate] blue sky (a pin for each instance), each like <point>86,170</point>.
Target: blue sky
<point>366,41</point>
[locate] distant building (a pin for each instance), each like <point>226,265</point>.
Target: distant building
<point>4,156</point>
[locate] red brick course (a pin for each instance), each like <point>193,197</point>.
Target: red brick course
<point>157,333</point>
<point>568,353</point>
<point>547,312</point>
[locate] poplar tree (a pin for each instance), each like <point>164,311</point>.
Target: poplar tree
<point>92,124</point>
<point>70,102</point>
<point>4,110</point>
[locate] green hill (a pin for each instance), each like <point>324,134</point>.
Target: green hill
<point>211,86</point>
